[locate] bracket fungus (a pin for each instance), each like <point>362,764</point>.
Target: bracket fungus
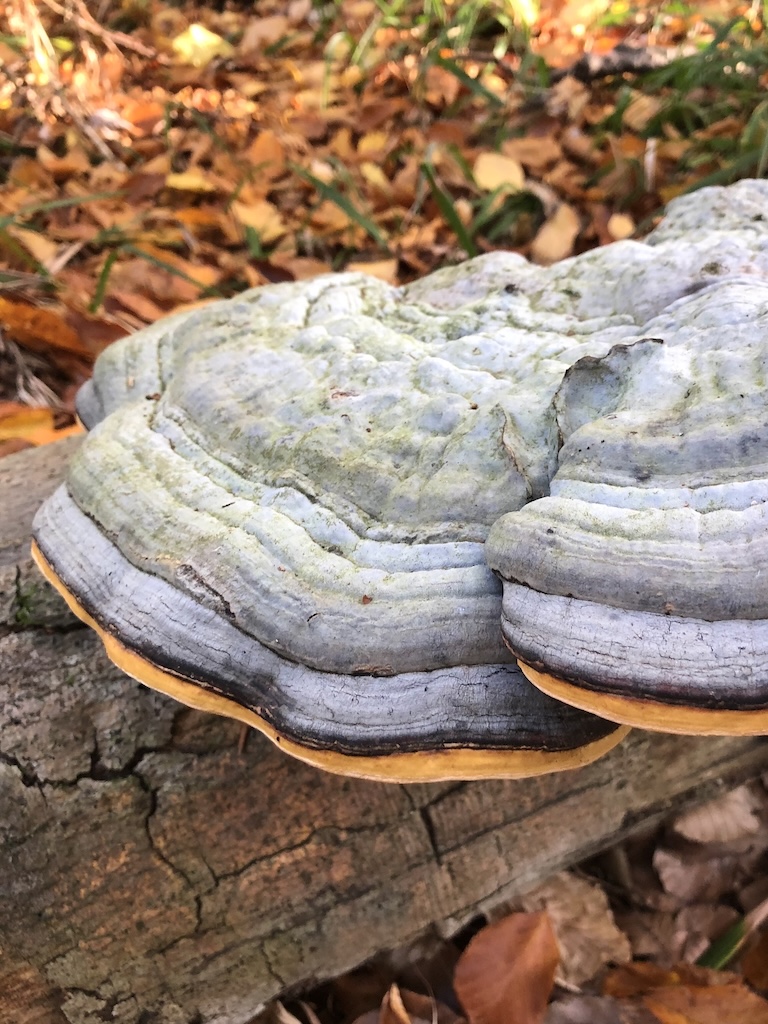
<point>284,506</point>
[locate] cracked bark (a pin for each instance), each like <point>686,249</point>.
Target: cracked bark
<point>154,875</point>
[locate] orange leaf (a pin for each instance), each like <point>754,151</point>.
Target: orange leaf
<point>712,1005</point>
<point>510,963</point>
<point>38,329</point>
<point>267,154</point>
<point>638,978</point>
<point>32,425</point>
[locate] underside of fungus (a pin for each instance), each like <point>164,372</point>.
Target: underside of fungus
<point>299,507</point>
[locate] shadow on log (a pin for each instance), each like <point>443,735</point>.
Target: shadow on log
<point>151,874</point>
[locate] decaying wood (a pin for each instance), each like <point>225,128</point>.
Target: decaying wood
<point>153,874</point>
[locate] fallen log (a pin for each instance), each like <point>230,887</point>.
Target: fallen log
<point>153,874</point>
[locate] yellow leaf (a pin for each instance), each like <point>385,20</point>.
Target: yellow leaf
<point>372,144</point>
<point>555,238</point>
<point>190,181</point>
<point>198,46</point>
<point>620,225</point>
<point>263,217</point>
<point>494,170</point>
<point>374,175</point>
<point>37,245</point>
<point>33,424</point>
<point>385,270</point>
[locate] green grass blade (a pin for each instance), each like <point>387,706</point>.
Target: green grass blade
<point>446,207</point>
<point>332,194</point>
<point>101,284</point>
<point>55,204</point>
<point>162,265</point>
<point>476,87</point>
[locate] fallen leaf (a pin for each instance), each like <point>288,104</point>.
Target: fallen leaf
<point>40,329</point>
<point>729,817</point>
<point>509,963</point>
<point>535,153</point>
<point>267,154</point>
<point>620,225</point>
<point>263,216</point>
<point>639,978</point>
<point>32,425</point>
<point>554,240</point>
<point>583,925</point>
<point>641,110</point>
<point>694,881</point>
<point>712,1005</point>
<point>393,1010</point>
<point>495,171</point>
<point>385,270</point>
<point>38,246</point>
<point>754,963</point>
<point>190,181</point>
<point>262,32</point>
<point>198,46</point>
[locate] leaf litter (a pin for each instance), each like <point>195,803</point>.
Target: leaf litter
<point>166,155</point>
<point>583,948</point>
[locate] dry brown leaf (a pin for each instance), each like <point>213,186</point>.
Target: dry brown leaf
<point>442,87</point>
<point>33,425</point>
<point>495,171</point>
<point>36,244</point>
<point>73,162</point>
<point>754,963</point>
<point>639,978</point>
<point>620,225</point>
<point>330,217</point>
<point>394,1010</point>
<point>583,924</point>
<point>694,881</point>
<point>301,268</point>
<point>190,181</point>
<point>40,329</point>
<point>568,98</point>
<point>509,963</point>
<point>554,240</point>
<point>263,216</point>
<point>729,817</point>
<point>641,110</point>
<point>533,152</point>
<point>262,32</point>
<point>712,1005</point>
<point>267,154</point>
<point>424,1008</point>
<point>385,270</point>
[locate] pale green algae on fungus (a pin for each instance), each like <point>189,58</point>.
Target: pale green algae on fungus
<point>281,511</point>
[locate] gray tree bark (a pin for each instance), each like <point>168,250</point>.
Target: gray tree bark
<point>151,874</point>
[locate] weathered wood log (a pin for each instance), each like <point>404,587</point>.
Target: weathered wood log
<point>151,874</point>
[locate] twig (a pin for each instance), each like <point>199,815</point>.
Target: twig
<point>85,21</point>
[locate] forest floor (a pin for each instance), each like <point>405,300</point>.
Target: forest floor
<point>156,155</point>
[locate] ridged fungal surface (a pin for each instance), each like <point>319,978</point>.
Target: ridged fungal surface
<point>283,509</point>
